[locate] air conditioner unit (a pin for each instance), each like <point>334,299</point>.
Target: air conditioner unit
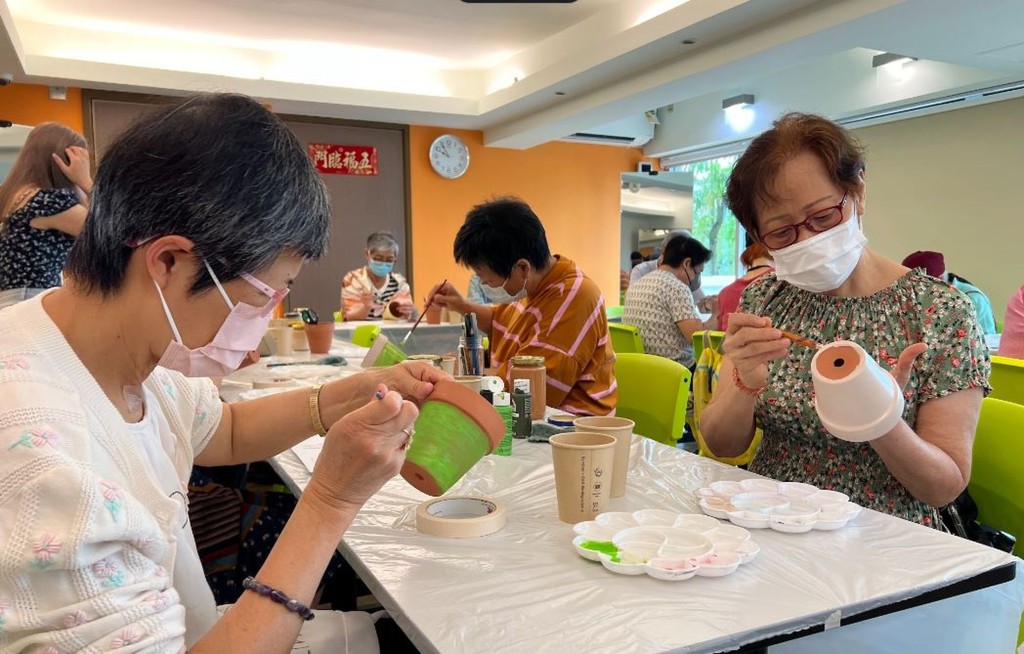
<point>632,132</point>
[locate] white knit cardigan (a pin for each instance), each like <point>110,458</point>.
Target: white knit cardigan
<point>87,549</point>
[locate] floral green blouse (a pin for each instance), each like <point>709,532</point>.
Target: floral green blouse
<point>916,308</point>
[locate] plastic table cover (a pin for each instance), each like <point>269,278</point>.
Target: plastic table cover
<point>524,589</point>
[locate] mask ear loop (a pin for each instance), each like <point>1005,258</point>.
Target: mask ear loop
<point>220,288</point>
<point>167,312</point>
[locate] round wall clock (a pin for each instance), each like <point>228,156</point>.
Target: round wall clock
<point>449,156</point>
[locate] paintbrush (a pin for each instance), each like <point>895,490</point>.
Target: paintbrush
<point>800,340</point>
<point>425,310</point>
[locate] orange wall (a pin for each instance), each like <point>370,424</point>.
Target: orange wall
<point>30,104</point>
<point>573,188</point>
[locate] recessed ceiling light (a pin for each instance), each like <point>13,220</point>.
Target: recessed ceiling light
<point>688,41</point>
<point>559,92</point>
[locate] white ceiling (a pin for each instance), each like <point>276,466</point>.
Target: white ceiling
<point>500,68</point>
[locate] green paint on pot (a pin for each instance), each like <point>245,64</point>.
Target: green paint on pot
<point>447,443</point>
<point>603,546</point>
<point>390,355</point>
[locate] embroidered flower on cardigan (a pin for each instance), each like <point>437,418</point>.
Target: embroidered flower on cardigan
<point>14,363</point>
<point>108,571</point>
<point>158,600</point>
<point>127,637</point>
<point>72,620</point>
<point>50,649</point>
<point>113,498</point>
<point>38,437</point>
<point>45,549</point>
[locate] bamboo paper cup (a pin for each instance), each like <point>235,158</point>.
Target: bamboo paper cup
<point>583,468</point>
<point>470,381</point>
<point>622,430</point>
<point>282,340</point>
<point>855,398</point>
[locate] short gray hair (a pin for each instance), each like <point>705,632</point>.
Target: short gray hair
<point>381,241</point>
<point>218,169</point>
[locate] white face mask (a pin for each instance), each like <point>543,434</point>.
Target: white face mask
<point>498,294</point>
<point>824,261</point>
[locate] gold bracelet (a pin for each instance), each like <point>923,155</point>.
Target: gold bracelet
<point>314,411</point>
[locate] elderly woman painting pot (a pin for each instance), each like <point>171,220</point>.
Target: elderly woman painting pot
<point>369,292</point>
<point>800,190</point>
<point>201,216</point>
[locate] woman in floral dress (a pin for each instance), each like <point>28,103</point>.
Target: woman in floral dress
<point>800,190</point>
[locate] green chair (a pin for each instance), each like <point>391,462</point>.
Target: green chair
<point>999,326</point>
<point>653,392</point>
<point>997,469</point>
<point>1007,379</point>
<point>614,313</point>
<point>625,338</point>
<point>698,342</point>
<point>338,317</point>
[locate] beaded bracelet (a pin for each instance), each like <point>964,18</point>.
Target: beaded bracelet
<point>314,411</point>
<point>753,392</point>
<point>293,605</point>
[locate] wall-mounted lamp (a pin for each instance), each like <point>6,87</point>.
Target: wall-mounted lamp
<point>739,111</point>
<point>887,58</point>
<point>740,101</point>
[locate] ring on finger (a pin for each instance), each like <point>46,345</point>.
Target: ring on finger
<point>410,432</point>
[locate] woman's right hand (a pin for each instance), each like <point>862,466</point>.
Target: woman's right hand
<point>363,450</point>
<point>750,343</point>
<point>446,295</point>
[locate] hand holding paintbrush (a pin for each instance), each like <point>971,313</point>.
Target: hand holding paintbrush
<point>425,310</point>
<point>800,340</point>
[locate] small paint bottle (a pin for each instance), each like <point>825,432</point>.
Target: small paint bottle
<point>503,405</point>
<point>521,402</point>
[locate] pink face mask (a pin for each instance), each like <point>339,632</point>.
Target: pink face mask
<point>240,334</point>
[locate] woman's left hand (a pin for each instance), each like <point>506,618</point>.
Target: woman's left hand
<point>415,381</point>
<point>905,363</point>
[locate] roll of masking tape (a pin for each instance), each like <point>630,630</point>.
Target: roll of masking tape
<point>460,517</point>
<point>277,382</point>
<point>492,384</point>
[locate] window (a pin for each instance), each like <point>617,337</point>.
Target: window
<point>713,223</point>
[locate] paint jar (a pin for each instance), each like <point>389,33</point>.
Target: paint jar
<point>521,408</point>
<point>503,405</point>
<point>532,368</point>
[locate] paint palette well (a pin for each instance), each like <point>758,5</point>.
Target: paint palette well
<point>664,545</point>
<point>789,507</point>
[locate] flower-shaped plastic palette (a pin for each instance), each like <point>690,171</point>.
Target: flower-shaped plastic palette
<point>789,507</point>
<point>663,544</point>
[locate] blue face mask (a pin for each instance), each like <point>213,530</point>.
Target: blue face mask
<point>380,268</point>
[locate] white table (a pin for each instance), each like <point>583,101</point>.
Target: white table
<point>524,589</point>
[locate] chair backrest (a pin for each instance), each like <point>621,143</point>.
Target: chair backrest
<point>653,392</point>
<point>365,335</point>
<point>625,338</point>
<point>614,312</point>
<point>1007,380</point>
<point>698,341</point>
<point>997,466</point>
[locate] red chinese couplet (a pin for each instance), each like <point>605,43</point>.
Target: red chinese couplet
<point>344,159</point>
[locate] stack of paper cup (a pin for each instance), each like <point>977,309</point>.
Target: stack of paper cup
<point>855,398</point>
<point>583,468</point>
<point>621,429</point>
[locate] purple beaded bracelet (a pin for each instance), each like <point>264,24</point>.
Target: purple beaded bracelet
<point>293,605</point>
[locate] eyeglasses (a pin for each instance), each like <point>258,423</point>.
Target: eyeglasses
<point>377,259</point>
<point>819,221</point>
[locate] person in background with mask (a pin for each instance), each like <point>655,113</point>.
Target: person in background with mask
<point>367,292</point>
<point>661,304</point>
<point>800,190</point>
<point>552,308</point>
<point>935,265</point>
<point>106,402</point>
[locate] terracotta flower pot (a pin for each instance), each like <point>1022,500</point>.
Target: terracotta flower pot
<point>320,336</point>
<point>455,429</point>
